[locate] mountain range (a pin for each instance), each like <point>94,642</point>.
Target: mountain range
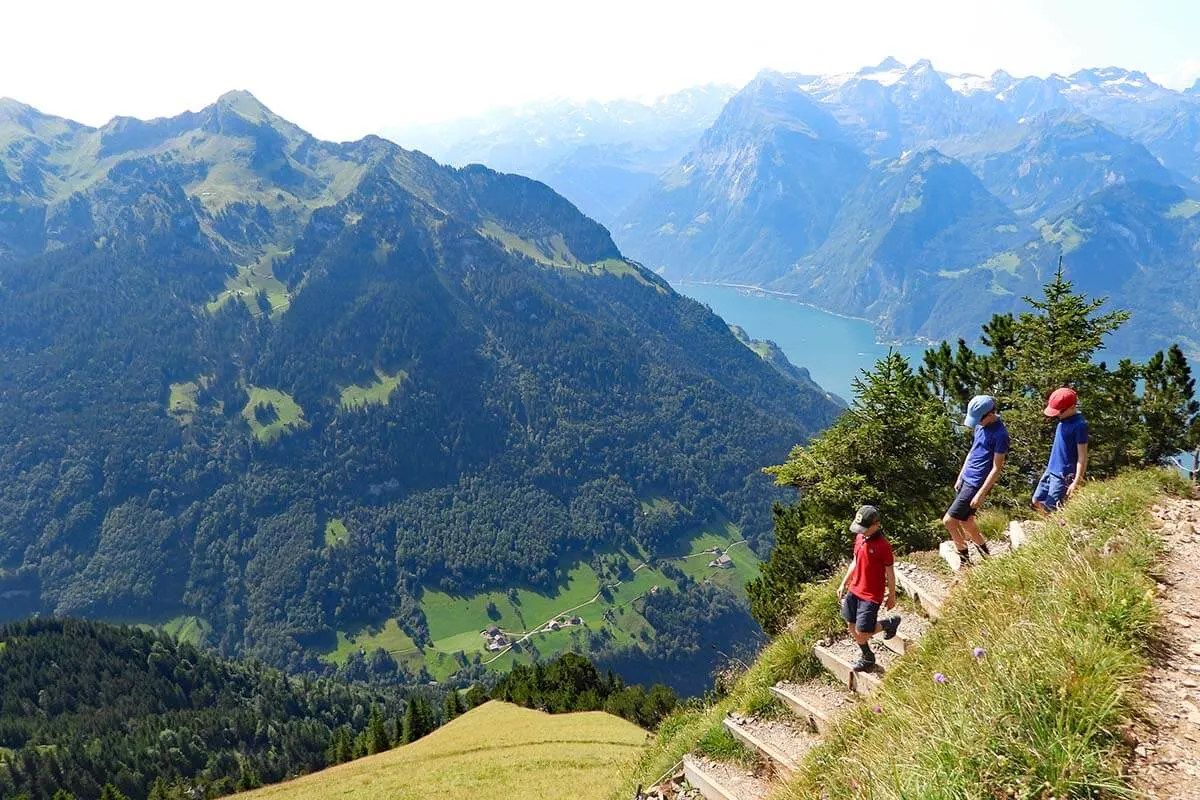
<point>924,201</point>
<point>598,154</point>
<point>306,400</point>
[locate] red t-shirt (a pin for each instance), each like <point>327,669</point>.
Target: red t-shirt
<point>872,557</point>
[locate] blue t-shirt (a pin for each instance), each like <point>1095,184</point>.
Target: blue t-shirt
<point>989,441</point>
<point>1064,456</point>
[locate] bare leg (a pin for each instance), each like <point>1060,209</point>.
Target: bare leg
<point>972,531</point>
<point>954,528</point>
<point>862,638</point>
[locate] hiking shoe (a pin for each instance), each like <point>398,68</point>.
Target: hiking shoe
<point>890,626</point>
<point>863,665</point>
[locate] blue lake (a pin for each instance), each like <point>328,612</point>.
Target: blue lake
<point>834,349</point>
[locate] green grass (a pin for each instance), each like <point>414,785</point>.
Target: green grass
<point>788,657</point>
<point>335,532</point>
<point>388,637</point>
<point>376,393</point>
<point>252,279</point>
<point>188,629</point>
<point>494,751</point>
<point>553,252</point>
<point>290,415</point>
<point>182,403</point>
<point>1065,233</point>
<point>657,502</point>
<point>718,532</point>
<point>1008,262</point>
<point>1185,209</point>
<point>910,204</point>
<point>1040,712</point>
<point>455,621</point>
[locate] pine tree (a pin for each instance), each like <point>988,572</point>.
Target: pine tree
<point>453,705</point>
<point>247,777</point>
<point>476,696</point>
<point>110,792</point>
<point>1169,407</point>
<point>63,794</point>
<point>418,718</point>
<point>893,448</point>
<point>377,738</point>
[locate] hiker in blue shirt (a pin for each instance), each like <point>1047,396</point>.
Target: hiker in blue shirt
<point>1069,456</point>
<point>979,473</point>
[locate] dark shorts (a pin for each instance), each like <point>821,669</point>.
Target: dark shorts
<point>961,509</point>
<point>1051,491</point>
<point>863,614</point>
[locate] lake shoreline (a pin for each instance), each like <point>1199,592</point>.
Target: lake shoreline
<point>795,298</point>
<point>835,348</point>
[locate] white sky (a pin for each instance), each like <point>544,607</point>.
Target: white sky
<point>348,68</point>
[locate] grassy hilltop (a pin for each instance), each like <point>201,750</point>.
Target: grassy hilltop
<point>494,751</point>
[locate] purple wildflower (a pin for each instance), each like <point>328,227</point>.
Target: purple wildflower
<point>979,652</point>
<point>939,677</point>
<point>878,709</point>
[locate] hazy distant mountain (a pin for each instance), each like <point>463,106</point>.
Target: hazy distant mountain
<point>598,155</point>
<point>759,190</point>
<point>882,189</point>
<point>900,240</point>
<point>1062,159</point>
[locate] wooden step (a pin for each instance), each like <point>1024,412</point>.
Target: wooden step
<point>923,585</point>
<point>950,554</point>
<point>839,657</point>
<point>1017,535</point>
<point>782,742</point>
<point>817,702</point>
<point>912,628</point>
<point>719,781</point>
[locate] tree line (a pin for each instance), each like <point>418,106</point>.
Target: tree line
<point>897,446</point>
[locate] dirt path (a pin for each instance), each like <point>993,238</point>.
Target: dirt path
<point>1167,764</point>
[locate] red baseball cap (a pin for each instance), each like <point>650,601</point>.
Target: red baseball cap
<point>1060,400</point>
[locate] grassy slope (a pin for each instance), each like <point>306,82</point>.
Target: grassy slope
<point>290,415</point>
<point>376,393</point>
<point>1039,713</point>
<point>495,751</point>
<point>456,620</point>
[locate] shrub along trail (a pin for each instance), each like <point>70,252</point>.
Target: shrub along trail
<point>1168,759</point>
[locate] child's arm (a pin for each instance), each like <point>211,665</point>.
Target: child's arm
<point>993,476</point>
<point>1080,469</point>
<point>961,470</point>
<point>890,600</point>
<point>846,577</point>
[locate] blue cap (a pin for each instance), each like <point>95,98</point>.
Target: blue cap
<point>979,407</point>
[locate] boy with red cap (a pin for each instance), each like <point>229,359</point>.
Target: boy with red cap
<point>1068,458</point>
<point>869,583</point>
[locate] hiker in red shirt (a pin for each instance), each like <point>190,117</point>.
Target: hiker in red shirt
<point>870,573</point>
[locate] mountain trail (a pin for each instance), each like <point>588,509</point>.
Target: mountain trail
<point>1167,762</point>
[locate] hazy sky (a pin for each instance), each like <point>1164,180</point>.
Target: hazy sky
<point>348,68</point>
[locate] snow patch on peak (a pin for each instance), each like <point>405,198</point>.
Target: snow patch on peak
<point>883,78</point>
<point>967,83</point>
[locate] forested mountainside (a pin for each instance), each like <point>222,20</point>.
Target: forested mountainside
<point>85,704</point>
<point>284,389</point>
